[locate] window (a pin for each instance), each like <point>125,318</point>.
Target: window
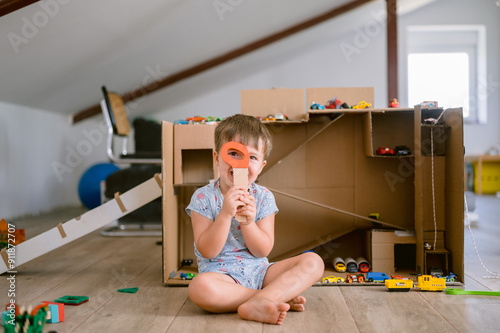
<point>448,64</point>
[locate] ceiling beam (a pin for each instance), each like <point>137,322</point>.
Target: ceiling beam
<point>219,60</point>
<point>392,50</point>
<point>9,6</point>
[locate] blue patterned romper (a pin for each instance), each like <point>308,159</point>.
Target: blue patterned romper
<point>234,259</point>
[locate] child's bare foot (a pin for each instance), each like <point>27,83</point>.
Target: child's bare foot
<point>297,304</point>
<point>263,310</point>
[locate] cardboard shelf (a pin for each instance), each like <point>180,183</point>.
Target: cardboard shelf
<point>326,181</point>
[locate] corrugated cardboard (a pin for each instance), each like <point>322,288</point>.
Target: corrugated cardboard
<point>328,179</point>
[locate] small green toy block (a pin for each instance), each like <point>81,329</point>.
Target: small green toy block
<point>72,300</point>
<point>128,290</point>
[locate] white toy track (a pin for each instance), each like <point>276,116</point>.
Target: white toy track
<point>80,226</point>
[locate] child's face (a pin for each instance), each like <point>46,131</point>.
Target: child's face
<point>255,166</point>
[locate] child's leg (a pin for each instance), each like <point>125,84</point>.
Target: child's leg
<point>283,283</point>
<point>216,292</point>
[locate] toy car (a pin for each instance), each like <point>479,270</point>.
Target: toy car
<point>399,284</point>
<point>429,104</point>
<point>334,103</point>
<point>386,151</point>
<point>317,106</point>
<point>436,270</point>
<point>345,106</point>
<point>197,119</point>
<point>351,265</point>
<point>451,278</point>
<point>187,276</point>
<point>394,103</point>
<point>376,277</point>
<point>402,150</point>
<point>339,264</point>
<point>358,277</point>
<point>332,279</point>
<point>362,105</point>
<point>427,246</point>
<point>430,121</point>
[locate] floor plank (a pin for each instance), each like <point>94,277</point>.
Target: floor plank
<point>375,309</point>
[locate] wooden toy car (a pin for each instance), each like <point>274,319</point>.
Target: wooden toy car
<point>386,151</point>
<point>332,279</point>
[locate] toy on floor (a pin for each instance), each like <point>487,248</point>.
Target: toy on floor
<point>332,279</point>
<point>22,320</point>
<point>55,312</point>
<point>9,234</point>
<point>72,300</point>
<point>128,290</point>
<point>339,264</point>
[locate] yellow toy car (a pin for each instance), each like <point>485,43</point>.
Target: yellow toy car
<point>431,283</point>
<point>332,279</point>
<point>362,105</point>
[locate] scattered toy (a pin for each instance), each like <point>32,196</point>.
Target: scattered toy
<point>376,277</point>
<point>128,290</point>
<point>339,264</point>
<point>402,151</point>
<point>334,103</point>
<point>72,300</point>
<point>317,106</point>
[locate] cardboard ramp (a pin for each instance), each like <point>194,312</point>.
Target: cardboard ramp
<point>92,220</point>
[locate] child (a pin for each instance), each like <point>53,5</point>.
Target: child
<point>234,273</point>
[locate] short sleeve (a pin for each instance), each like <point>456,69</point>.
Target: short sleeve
<point>266,203</point>
<point>200,203</point>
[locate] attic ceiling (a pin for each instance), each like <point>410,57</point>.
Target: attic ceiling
<point>56,54</point>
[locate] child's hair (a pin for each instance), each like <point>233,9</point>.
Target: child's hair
<point>248,129</point>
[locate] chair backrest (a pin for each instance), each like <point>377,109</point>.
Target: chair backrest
<point>117,112</point>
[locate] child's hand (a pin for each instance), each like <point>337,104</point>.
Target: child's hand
<point>233,199</point>
<point>249,209</point>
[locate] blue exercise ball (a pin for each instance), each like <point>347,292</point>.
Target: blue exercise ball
<point>89,187</point>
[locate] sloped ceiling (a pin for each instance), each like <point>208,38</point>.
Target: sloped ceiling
<point>56,54</point>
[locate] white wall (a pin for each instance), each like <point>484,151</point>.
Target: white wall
<point>41,159</point>
<point>347,51</point>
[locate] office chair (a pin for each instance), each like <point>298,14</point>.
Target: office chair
<point>143,163</point>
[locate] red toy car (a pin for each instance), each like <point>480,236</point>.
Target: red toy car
<point>394,103</point>
<point>334,103</point>
<point>386,151</point>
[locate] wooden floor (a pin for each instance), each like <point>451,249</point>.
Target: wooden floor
<point>97,266</point>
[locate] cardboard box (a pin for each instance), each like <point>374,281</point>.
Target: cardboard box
<point>327,180</point>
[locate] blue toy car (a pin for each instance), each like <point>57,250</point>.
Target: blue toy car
<point>376,277</point>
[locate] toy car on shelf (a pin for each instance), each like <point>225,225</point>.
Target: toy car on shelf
<point>187,276</point>
<point>339,264</point>
<point>451,278</point>
<point>358,277</point>
<point>334,103</point>
<point>376,277</point>
<point>429,104</point>
<point>363,265</point>
<point>402,151</point>
<point>430,121</point>
<point>197,119</point>
<point>386,151</point>
<point>361,105</point>
<point>332,279</point>
<point>394,103</point>
<point>317,106</point>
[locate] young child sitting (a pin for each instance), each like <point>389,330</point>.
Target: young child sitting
<point>234,273</point>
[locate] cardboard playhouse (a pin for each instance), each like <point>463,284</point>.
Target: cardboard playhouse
<point>328,179</point>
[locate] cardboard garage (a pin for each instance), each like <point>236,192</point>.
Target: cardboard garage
<point>328,179</point>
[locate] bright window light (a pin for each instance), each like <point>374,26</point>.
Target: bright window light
<point>441,77</point>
